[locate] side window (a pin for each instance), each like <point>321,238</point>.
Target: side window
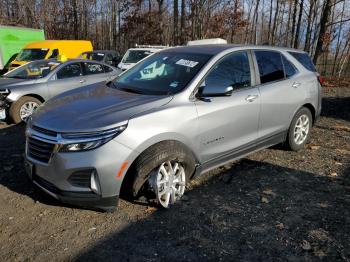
<point>289,68</point>
<point>107,69</point>
<point>109,59</point>
<point>305,60</point>
<point>54,54</point>
<point>68,71</point>
<point>92,68</point>
<point>233,70</point>
<point>270,66</point>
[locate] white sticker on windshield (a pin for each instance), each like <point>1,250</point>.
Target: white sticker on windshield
<point>44,49</point>
<point>100,54</point>
<point>187,63</point>
<point>174,84</point>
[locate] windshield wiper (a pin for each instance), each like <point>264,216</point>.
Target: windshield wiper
<point>129,90</point>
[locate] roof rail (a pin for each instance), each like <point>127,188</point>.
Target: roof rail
<point>151,46</point>
<point>208,41</point>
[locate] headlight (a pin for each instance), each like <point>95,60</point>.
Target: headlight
<point>88,141</point>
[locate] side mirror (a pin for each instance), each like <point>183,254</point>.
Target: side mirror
<point>214,91</point>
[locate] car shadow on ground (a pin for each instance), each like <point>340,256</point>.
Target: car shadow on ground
<point>12,171</point>
<point>263,212</point>
<point>336,107</point>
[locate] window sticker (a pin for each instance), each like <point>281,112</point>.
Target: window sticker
<point>174,84</point>
<point>100,54</point>
<point>53,64</point>
<point>187,63</point>
<point>44,49</point>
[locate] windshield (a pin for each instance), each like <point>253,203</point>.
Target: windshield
<point>133,56</point>
<point>33,70</point>
<point>93,56</point>
<point>162,74</point>
<point>32,54</point>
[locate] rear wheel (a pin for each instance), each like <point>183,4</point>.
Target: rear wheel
<point>299,130</point>
<point>23,108</point>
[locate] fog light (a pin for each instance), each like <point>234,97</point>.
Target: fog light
<point>95,184</point>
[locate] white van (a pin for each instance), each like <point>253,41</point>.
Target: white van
<point>134,55</point>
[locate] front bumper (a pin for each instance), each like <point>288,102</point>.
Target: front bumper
<point>107,161</point>
<point>83,199</point>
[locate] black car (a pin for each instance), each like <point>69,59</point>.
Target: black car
<point>107,56</point>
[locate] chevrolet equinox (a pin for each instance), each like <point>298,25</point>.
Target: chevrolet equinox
<point>174,115</point>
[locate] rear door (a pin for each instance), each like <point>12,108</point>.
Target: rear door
<point>95,72</point>
<point>67,78</point>
<point>281,90</point>
<point>228,123</point>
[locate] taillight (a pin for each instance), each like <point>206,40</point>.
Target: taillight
<point>321,79</point>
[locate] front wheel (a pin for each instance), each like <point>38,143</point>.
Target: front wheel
<point>23,108</point>
<point>163,170</point>
<point>299,130</point>
<point>169,183</point>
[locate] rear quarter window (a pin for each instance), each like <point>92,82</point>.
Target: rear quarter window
<point>289,68</point>
<point>305,60</point>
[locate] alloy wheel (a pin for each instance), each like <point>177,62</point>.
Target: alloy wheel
<point>301,129</point>
<point>27,109</point>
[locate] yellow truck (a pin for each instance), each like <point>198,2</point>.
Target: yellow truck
<point>50,49</point>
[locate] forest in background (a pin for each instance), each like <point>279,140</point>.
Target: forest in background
<point>320,27</point>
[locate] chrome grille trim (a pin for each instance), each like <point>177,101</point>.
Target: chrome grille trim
<point>39,150</point>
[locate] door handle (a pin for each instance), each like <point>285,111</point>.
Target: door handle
<point>251,98</point>
<point>82,81</point>
<point>296,84</point>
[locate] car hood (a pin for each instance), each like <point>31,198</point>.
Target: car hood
<point>13,83</point>
<point>93,108</point>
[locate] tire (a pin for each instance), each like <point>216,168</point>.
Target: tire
<point>15,109</point>
<point>150,161</point>
<point>292,142</point>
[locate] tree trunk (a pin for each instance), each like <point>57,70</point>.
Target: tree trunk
<point>183,18</point>
<point>160,19</point>
<point>176,22</point>
<point>309,26</point>
<point>296,39</point>
<point>293,21</point>
<point>323,27</point>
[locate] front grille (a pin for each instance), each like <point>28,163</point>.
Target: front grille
<point>44,131</point>
<point>39,150</point>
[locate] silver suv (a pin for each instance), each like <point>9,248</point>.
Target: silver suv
<point>175,115</point>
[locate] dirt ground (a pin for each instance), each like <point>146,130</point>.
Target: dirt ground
<point>274,205</point>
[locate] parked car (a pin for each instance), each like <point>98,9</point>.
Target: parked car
<point>107,56</point>
<point>205,106</point>
<point>25,88</point>
<point>50,49</point>
<point>134,55</point>
<point>12,40</point>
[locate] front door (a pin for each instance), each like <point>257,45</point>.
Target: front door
<point>228,123</point>
<point>67,78</point>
